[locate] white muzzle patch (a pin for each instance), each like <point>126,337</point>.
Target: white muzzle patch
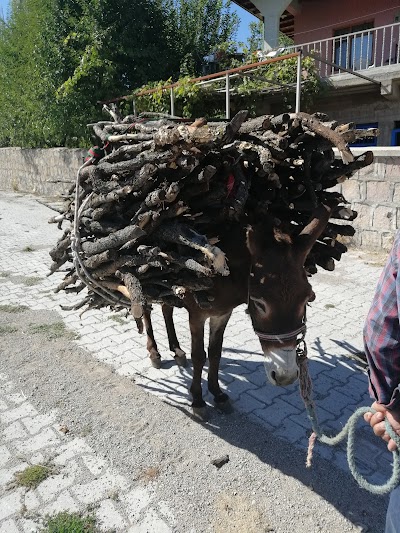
<point>281,366</point>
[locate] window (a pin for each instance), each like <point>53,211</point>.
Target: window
<point>354,46</point>
<point>395,140</point>
<point>367,141</point>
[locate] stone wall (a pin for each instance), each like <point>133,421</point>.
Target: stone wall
<point>363,108</point>
<point>46,172</point>
<point>374,192</point>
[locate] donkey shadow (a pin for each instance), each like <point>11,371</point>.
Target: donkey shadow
<point>340,386</point>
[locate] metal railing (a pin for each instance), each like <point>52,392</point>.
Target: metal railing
<point>352,52</point>
<point>374,47</point>
<point>226,75</point>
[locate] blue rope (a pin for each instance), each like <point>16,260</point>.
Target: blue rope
<point>350,431</point>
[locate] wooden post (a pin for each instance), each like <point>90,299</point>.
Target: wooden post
<point>298,82</point>
<point>172,102</point>
<point>227,97</point>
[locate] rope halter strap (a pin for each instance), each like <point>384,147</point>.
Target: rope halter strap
<point>282,337</point>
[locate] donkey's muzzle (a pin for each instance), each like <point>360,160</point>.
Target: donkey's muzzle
<point>281,366</point>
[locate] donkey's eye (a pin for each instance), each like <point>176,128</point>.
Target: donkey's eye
<point>259,304</point>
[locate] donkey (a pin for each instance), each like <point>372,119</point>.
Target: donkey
<point>267,272</point>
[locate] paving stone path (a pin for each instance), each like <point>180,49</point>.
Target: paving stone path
<point>334,337</point>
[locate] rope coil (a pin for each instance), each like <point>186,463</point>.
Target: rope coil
<point>81,271</point>
<point>349,431</point>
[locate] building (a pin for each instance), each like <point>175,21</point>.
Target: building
<point>357,46</point>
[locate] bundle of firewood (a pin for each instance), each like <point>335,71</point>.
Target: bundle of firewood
<point>149,204</point>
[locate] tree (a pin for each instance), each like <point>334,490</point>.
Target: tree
<point>59,57</point>
<point>256,39</point>
<point>98,50</point>
<point>199,28</point>
<point>21,87</point>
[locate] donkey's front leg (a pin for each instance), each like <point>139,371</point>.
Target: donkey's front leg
<point>217,330</point>
<point>196,323</point>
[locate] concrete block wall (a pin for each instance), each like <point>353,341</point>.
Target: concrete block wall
<point>46,172</point>
<point>374,192</point>
<point>363,109</point>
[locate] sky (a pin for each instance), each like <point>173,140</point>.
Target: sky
<point>245,19</point>
<point>3,7</point>
<point>243,33</point>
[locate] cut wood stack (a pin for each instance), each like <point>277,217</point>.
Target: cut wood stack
<point>144,217</point>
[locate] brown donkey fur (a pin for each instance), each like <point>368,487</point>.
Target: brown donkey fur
<point>266,271</point>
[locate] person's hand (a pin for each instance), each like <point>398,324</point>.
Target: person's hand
<point>377,422</point>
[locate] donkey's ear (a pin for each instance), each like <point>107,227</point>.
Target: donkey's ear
<point>251,241</point>
<point>306,239</point>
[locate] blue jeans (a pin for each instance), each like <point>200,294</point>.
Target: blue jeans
<point>393,512</point>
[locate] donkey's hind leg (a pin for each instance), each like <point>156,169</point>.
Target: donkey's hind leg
<point>217,330</point>
<point>180,355</point>
<point>155,357</point>
<point>196,323</point>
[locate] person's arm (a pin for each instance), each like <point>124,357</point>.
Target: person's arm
<point>382,348</point>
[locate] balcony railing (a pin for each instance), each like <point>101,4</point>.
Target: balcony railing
<point>375,47</point>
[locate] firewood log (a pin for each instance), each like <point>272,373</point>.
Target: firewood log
<point>135,293</point>
<point>150,210</point>
<point>115,240</point>
<point>261,124</point>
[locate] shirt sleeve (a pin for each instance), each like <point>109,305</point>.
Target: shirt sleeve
<point>382,334</point>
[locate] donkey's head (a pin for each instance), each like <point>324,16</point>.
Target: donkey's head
<point>279,292</point>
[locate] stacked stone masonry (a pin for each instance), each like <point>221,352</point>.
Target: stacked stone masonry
<point>46,172</point>
<point>374,192</point>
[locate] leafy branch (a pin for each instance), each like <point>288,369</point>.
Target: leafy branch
<point>192,99</point>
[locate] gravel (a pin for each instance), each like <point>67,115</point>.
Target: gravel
<point>263,487</point>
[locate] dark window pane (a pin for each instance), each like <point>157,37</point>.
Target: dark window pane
<point>354,46</point>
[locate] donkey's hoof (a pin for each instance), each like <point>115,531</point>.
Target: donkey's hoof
<point>181,359</point>
<point>155,362</point>
<point>223,404</point>
<point>201,413</point>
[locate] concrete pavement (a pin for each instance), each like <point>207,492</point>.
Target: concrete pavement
<point>334,339</point>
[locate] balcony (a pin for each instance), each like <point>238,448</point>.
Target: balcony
<point>361,51</point>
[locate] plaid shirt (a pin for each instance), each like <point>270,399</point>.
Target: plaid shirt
<point>382,334</point>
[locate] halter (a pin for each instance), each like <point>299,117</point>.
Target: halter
<point>282,337</point>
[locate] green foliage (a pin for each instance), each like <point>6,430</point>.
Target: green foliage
<point>281,76</point>
<point>67,522</point>
<point>189,98</point>
<point>32,476</point>
<point>256,39</point>
<point>21,87</point>
<point>6,308</point>
<point>60,57</point>
<point>192,100</point>
<point>198,28</point>
<point>6,330</point>
<point>53,331</point>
